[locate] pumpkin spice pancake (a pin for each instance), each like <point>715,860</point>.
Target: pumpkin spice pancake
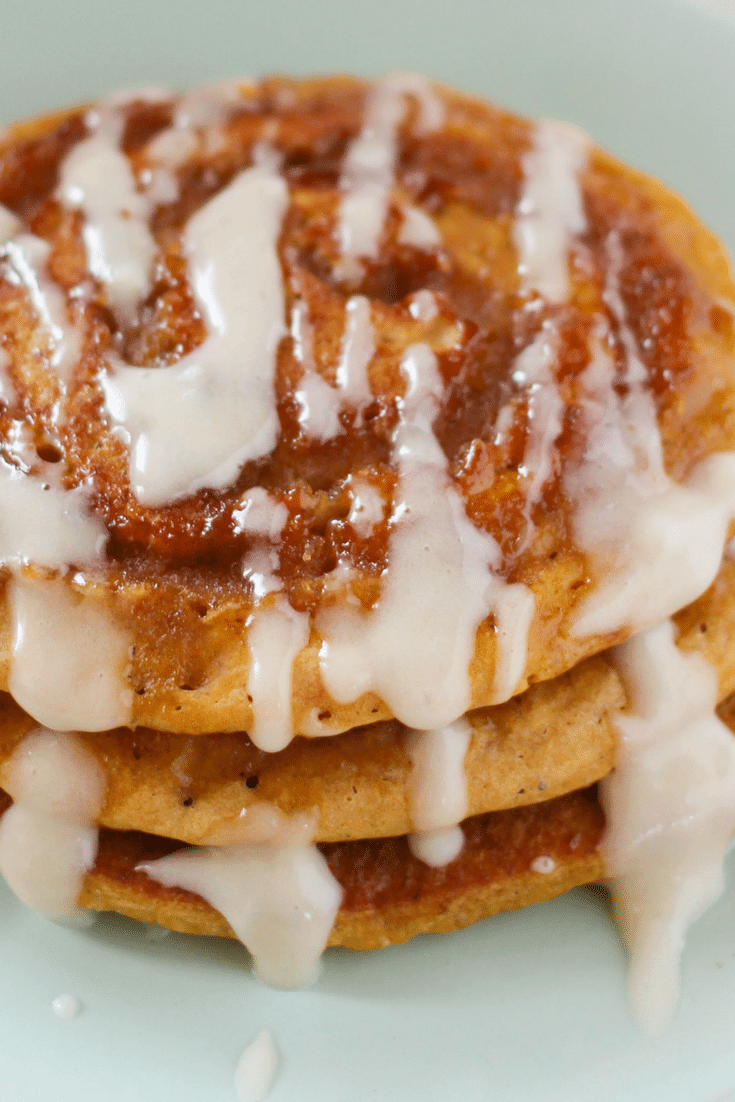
<point>340,391</point>
<point>557,737</point>
<point>361,410</point>
<point>510,859</point>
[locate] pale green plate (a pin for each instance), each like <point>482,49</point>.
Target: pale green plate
<point>523,1007</point>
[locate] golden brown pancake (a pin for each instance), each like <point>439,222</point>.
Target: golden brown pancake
<point>389,895</point>
<point>555,738</point>
<point>171,574</point>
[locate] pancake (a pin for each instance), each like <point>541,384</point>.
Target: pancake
<point>389,895</point>
<point>640,282</point>
<point>368,411</point>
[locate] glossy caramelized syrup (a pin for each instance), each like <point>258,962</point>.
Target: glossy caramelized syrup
<point>482,323</point>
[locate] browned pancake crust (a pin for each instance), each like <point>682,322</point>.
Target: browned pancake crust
<point>555,737</point>
<point>172,576</point>
<point>389,896</point>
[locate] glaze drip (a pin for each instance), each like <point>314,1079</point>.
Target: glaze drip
<point>670,810</point>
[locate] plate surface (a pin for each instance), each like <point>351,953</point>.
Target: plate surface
<point>523,1006</point>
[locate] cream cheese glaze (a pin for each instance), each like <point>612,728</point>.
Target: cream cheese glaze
<point>10,224</point>
<point>670,810</point>
<point>96,179</point>
<point>414,647</point>
<point>321,403</point>
<point>438,782</point>
<point>550,213</point>
<point>257,1068</point>
<point>629,513</point>
<point>273,886</point>
<point>369,170</point>
<point>438,791</point>
<point>276,635</point>
<point>82,652</point>
<point>280,901</point>
<point>196,423</point>
<point>26,256</point>
<point>48,838</point>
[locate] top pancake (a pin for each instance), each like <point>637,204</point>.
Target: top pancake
<point>181,575</point>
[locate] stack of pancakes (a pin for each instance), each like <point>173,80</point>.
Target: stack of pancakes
<point>472,203</point>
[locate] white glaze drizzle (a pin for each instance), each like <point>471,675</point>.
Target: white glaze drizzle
<point>319,407</point>
<point>276,634</point>
<point>160,184</point>
<point>437,848</point>
<point>534,369</point>
<point>358,349</point>
<point>417,229</point>
<point>20,451</point>
<point>280,902</point>
<point>260,514</point>
<point>549,216</point>
<point>196,127</point>
<point>26,257</point>
<point>8,393</point>
<point>414,647</point>
<point>438,791</point>
<point>66,1007</point>
<point>543,864</point>
<point>367,507</point>
<point>172,147</point>
<point>670,810</point>
<point>48,838</point>
<point>43,524</point>
<point>550,212</point>
<point>628,513</point>
<point>9,224</point>
<point>195,423</point>
<point>423,305</point>
<point>166,153</point>
<point>82,652</point>
<point>259,567</point>
<point>369,167</point>
<point>257,1068</point>
<point>207,106</point>
<point>319,402</point>
<point>96,178</point>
